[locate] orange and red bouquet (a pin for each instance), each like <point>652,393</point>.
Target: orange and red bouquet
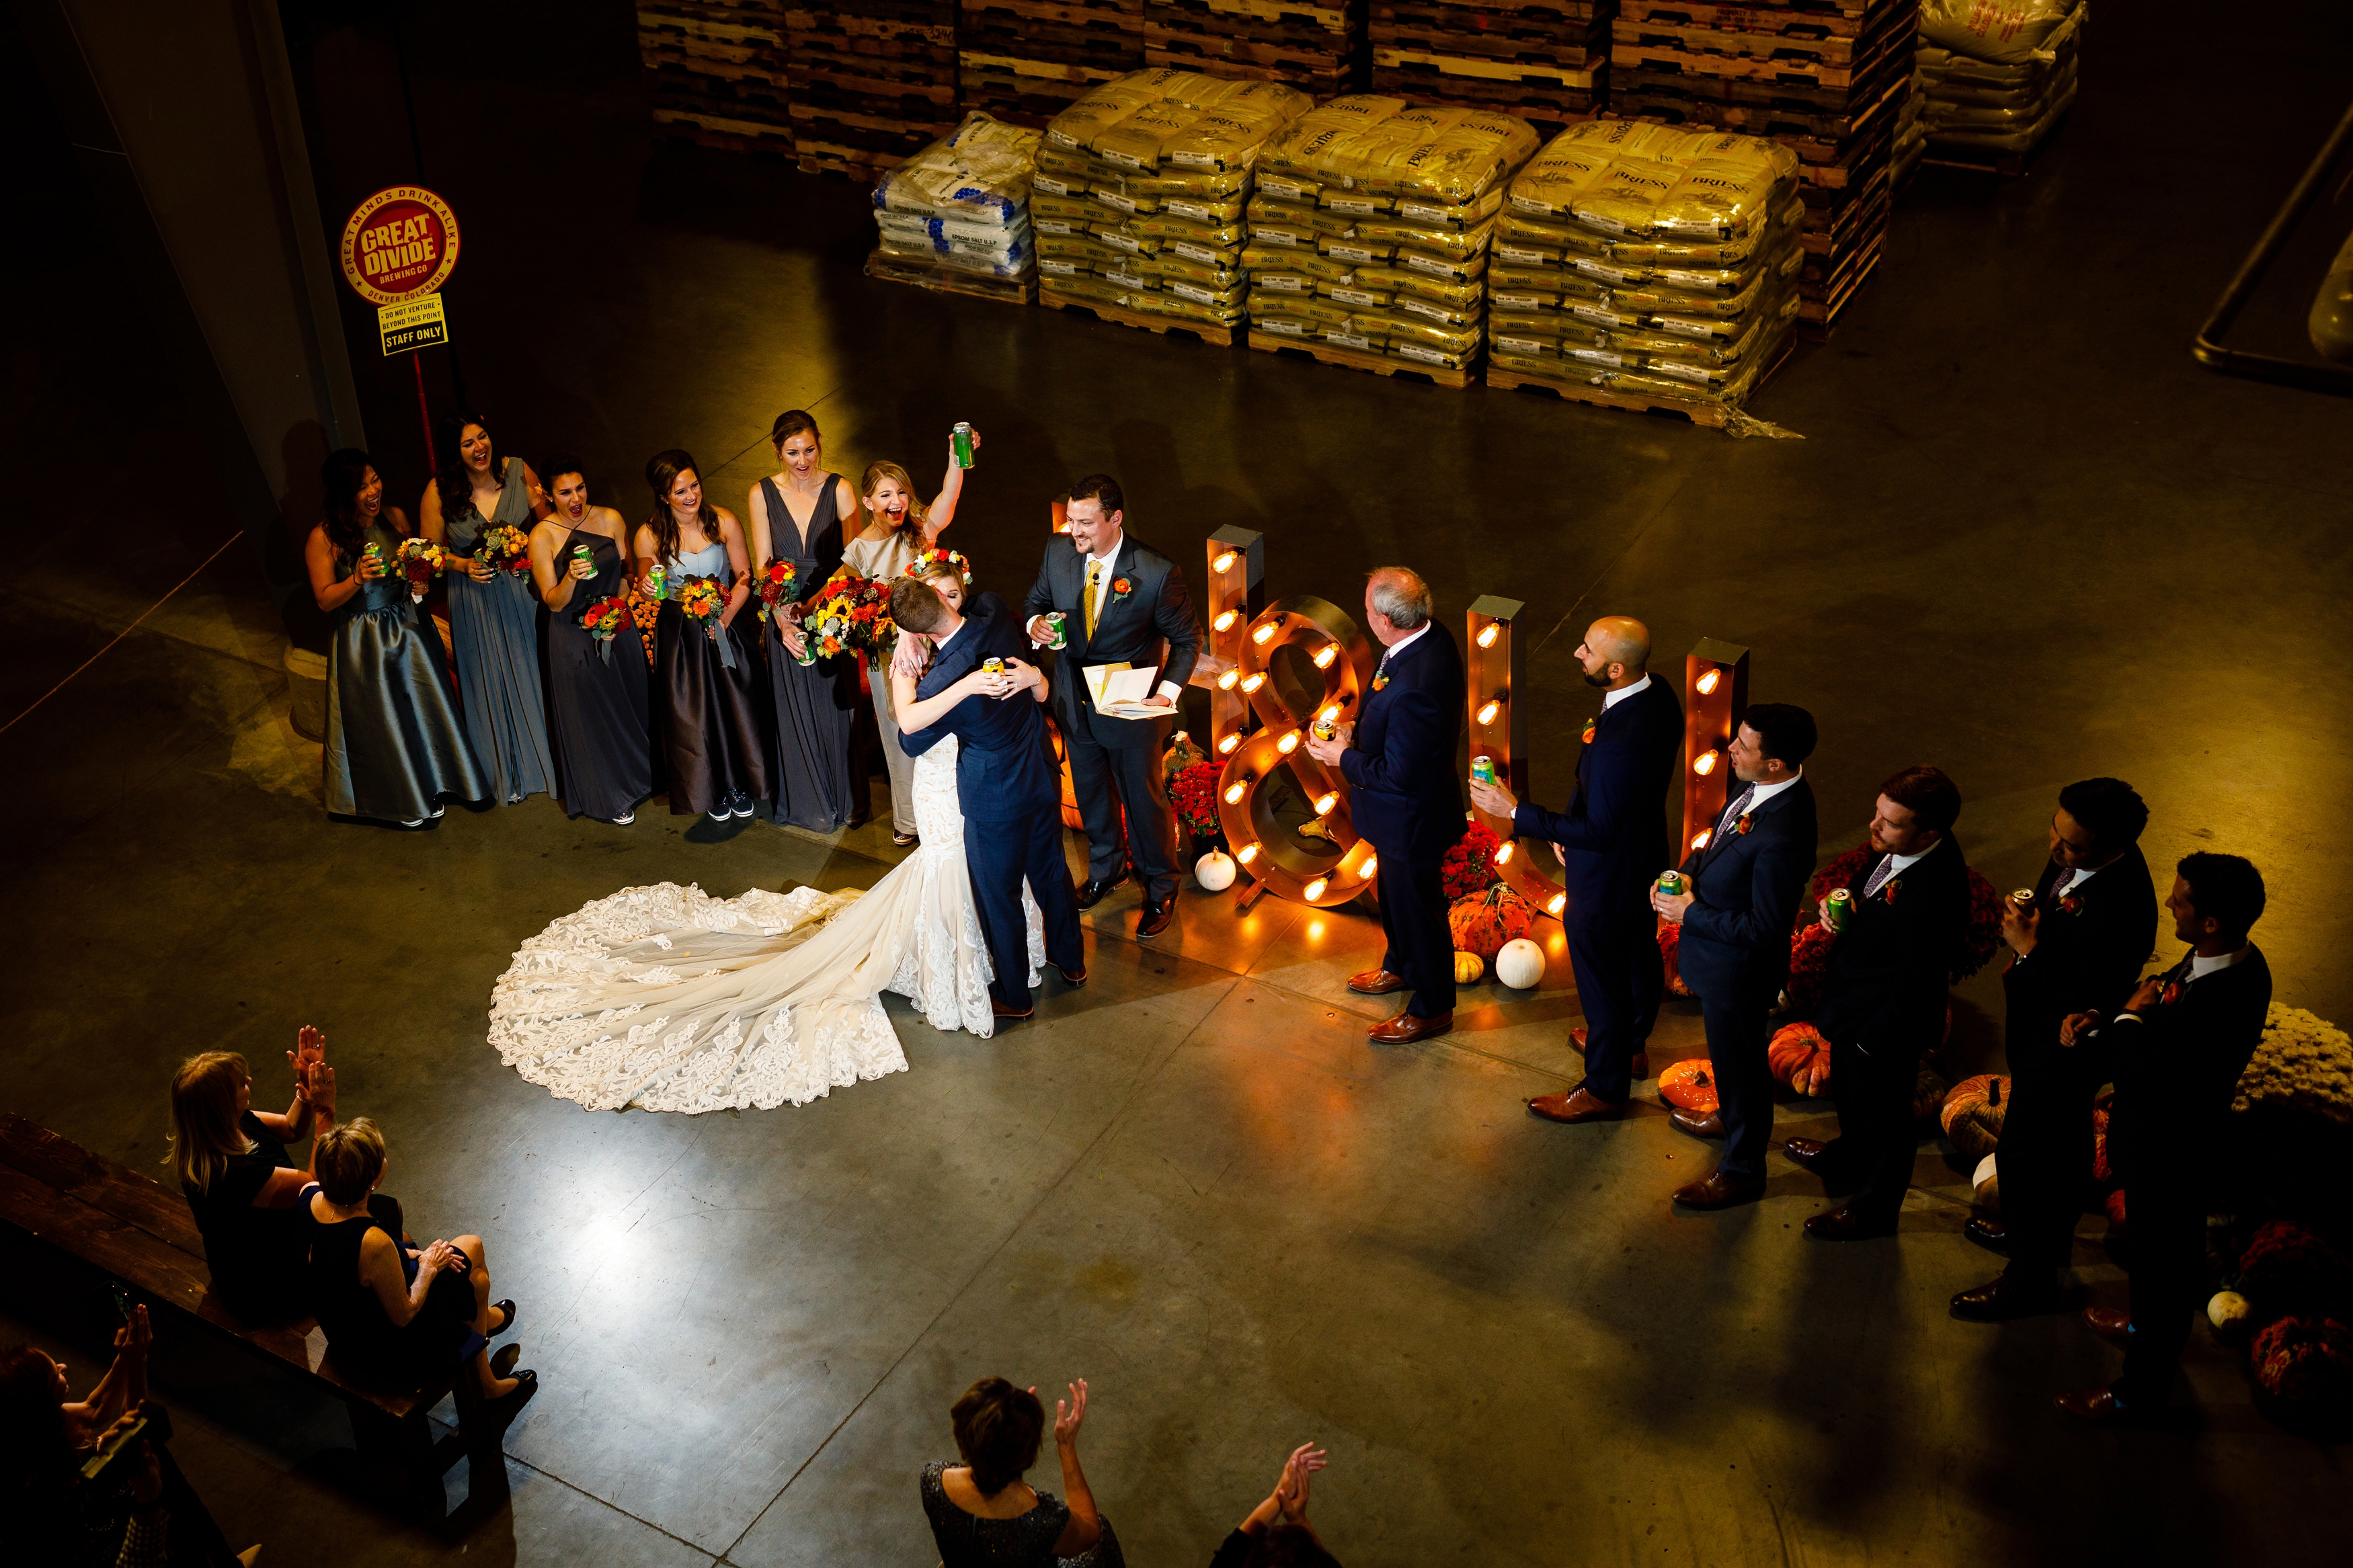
<point>505,548</point>
<point>420,560</point>
<point>776,584</point>
<point>603,620</point>
<point>852,614</point>
<point>699,599</point>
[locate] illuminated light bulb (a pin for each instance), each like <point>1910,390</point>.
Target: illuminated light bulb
<point>1224,562</point>
<point>1703,764</point>
<point>1227,745</point>
<point>1226,682</point>
<point>1255,681</point>
<point>1264,634</point>
<point>1326,802</point>
<point>1330,713</point>
<point>1560,902</point>
<point>1372,863</point>
<point>1288,745</point>
<point>1248,853</point>
<point>1504,853</point>
<point>1325,655</point>
<point>1234,792</point>
<point>1487,713</point>
<point>1700,842</point>
<point>1315,890</point>
<point>1488,635</point>
<point>1710,681</point>
<point>1225,619</point>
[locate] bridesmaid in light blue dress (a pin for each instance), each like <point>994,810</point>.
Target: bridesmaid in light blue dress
<point>493,615</point>
<point>394,747</point>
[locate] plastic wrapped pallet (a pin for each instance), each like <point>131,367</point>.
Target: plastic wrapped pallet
<point>1141,189</point>
<point>1649,262</point>
<point>1995,75</point>
<point>957,214</point>
<point>1370,228</point>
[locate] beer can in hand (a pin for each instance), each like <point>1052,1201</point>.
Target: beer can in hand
<point>1324,729</point>
<point>2024,897</point>
<point>1057,635</point>
<point>581,552</point>
<point>1672,884</point>
<point>1838,910</point>
<point>1483,769</point>
<point>992,666</point>
<point>656,580</point>
<point>963,438</point>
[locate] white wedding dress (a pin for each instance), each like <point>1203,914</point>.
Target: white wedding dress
<point>667,999</point>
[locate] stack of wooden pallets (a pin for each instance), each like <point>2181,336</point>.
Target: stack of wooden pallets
<point>716,73</point>
<point>873,81</point>
<point>1317,45</point>
<point>1547,61</point>
<point>1826,78</point>
<point>1026,60</point>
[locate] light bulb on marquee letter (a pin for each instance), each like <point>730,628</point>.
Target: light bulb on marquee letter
<point>1708,683</point>
<point>1234,792</point>
<point>1226,746</point>
<point>1288,745</point>
<point>1487,714</point>
<point>1487,635</point>
<point>1324,802</point>
<point>1225,620</point>
<point>1560,902</point>
<point>1325,655</point>
<point>1246,854</point>
<point>1706,765</point>
<point>1265,633</point>
<point>1315,890</point>
<point>1504,851</point>
<point>1223,564</point>
<point>1700,842</point>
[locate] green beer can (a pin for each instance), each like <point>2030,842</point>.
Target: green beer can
<point>962,438</point>
<point>1057,635</point>
<point>1672,884</point>
<point>1483,769</point>
<point>1838,910</point>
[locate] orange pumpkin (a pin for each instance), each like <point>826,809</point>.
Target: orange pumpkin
<point>2116,1207</point>
<point>1690,1084</point>
<point>1927,1093</point>
<point>1974,1112</point>
<point>1484,921</point>
<point>1800,1058</point>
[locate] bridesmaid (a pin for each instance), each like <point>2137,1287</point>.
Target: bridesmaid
<point>394,746</point>
<point>797,515</point>
<point>713,722</point>
<point>492,621</point>
<point>596,703</point>
<point>883,550</point>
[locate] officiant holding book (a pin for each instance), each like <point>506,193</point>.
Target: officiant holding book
<point>1122,606</point>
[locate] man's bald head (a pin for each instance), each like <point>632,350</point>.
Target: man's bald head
<point>1616,651</point>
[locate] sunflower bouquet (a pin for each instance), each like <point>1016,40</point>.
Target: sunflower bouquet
<point>603,620</point>
<point>420,560</point>
<point>776,584</point>
<point>852,614</point>
<point>699,599</point>
<point>505,548</point>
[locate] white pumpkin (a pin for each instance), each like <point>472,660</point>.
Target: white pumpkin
<point>1520,965</point>
<point>1987,1185</point>
<point>2228,1311</point>
<point>1215,871</point>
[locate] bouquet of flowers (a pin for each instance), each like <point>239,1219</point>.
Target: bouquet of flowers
<point>853,612</point>
<point>603,621</point>
<point>1194,794</point>
<point>936,557</point>
<point>774,585</point>
<point>420,560</point>
<point>699,599</point>
<point>1470,867</point>
<point>505,548</point>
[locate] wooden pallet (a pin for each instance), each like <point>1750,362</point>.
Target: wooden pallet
<point>1582,75</point>
<point>722,133</point>
<point>1819,18</point>
<point>948,280</point>
<point>1580,44</point>
<point>1220,15</point>
<point>1714,416</point>
<point>1167,326</point>
<point>1550,108</point>
<point>1357,359</point>
<point>1327,79</point>
<point>2007,165</point>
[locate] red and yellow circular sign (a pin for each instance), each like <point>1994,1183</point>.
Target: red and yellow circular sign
<point>400,243</point>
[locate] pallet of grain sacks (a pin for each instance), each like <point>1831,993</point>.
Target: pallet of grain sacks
<point>1639,266</point>
<point>956,216</point>
<point>1369,234</point>
<point>1998,77</point>
<point>1139,195</point>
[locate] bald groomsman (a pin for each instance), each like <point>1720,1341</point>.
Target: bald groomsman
<point>1612,842</point>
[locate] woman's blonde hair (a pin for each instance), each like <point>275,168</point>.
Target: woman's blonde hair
<point>204,1132</point>
<point>940,571</point>
<point>347,1159</point>
<point>877,472</point>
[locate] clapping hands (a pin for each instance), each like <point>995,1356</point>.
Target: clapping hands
<point>1291,1487</point>
<point>314,1080</point>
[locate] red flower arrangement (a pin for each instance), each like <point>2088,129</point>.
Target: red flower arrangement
<point>2304,1362</point>
<point>505,548</point>
<point>699,599</point>
<point>1194,794</point>
<point>604,618</point>
<point>1470,867</point>
<point>852,613</point>
<point>1810,942</point>
<point>775,586</point>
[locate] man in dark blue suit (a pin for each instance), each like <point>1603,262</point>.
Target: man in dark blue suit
<point>1746,882</point>
<point>1007,783</point>
<point>1613,843</point>
<point>1398,760</point>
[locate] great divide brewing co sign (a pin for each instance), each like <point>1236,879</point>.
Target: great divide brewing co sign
<point>398,248</point>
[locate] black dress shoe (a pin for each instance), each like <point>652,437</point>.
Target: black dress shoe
<point>505,1322</point>
<point>502,1364</point>
<point>1156,917</point>
<point>1997,1301</point>
<point>1843,1223</point>
<point>1990,1234</point>
<point>1091,892</point>
<point>1806,1153</point>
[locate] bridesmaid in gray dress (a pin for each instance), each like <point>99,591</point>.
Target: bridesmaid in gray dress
<point>598,714</point>
<point>494,613</point>
<point>708,688</point>
<point>394,747</point>
<point>796,516</point>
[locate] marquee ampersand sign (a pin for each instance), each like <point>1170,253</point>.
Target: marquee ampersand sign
<point>1334,648</point>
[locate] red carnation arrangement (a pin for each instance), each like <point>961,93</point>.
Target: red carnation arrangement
<point>2304,1362</point>
<point>1194,794</point>
<point>1470,867</point>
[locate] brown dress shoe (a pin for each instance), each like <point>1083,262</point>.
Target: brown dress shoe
<point>1804,1153</point>
<point>1998,1301</point>
<point>2099,1408</point>
<point>2108,1322</point>
<point>1719,1190</point>
<point>1000,1011</point>
<point>1405,1028</point>
<point>1990,1234</point>
<point>1698,1124</point>
<point>1377,983</point>
<point>1842,1224</point>
<point>1577,1041</point>
<point>1073,977</point>
<point>1579,1104</point>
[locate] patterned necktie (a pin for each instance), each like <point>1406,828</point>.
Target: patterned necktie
<point>1094,583</point>
<point>1732,812</point>
<point>1879,876</point>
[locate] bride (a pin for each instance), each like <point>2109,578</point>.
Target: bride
<point>667,999</point>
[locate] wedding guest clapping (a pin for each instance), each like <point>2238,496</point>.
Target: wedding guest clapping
<point>244,1190</point>
<point>598,718</point>
<point>984,1515</point>
<point>714,723</point>
<point>797,515</point>
<point>1277,1534</point>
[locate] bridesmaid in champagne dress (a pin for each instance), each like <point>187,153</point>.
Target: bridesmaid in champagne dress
<point>493,615</point>
<point>714,720</point>
<point>395,747</point>
<point>899,528</point>
<point>797,515</point>
<point>596,699</point>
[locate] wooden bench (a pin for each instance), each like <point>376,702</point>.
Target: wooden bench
<point>125,1225</point>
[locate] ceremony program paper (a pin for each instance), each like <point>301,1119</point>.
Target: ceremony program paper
<point>1119,691</point>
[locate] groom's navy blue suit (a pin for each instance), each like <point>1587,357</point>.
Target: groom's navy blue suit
<point>1009,791</point>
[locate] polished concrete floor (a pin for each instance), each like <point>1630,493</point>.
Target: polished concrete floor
<point>2025,538</point>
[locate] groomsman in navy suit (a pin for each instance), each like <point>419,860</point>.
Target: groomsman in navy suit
<point>1613,843</point>
<point>1745,886</point>
<point>1398,760</point>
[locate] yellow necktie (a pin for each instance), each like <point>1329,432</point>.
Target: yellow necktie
<point>1094,581</point>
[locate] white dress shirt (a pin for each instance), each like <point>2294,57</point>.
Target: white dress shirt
<point>2200,967</point>
<point>1759,794</point>
<point>1610,698</point>
<point>1404,642</point>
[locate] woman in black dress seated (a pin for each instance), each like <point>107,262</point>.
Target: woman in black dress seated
<point>243,1188</point>
<point>399,1316</point>
<point>984,1515</point>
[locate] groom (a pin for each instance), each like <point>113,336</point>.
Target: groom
<point>1006,783</point>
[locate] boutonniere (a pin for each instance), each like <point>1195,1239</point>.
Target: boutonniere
<point>1743,824</point>
<point>1119,588</point>
<point>2169,993</point>
<point>2071,905</point>
<point>1894,885</point>
<point>1590,725</point>
<point>1380,680</point>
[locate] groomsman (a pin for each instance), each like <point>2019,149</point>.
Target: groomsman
<point>1884,1002</point>
<point>1398,760</point>
<point>2179,1046</point>
<point>1612,842</point>
<point>1744,887</point>
<point>2078,948</point>
<point>1123,603</point>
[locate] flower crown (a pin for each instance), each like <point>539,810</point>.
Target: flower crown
<point>938,558</point>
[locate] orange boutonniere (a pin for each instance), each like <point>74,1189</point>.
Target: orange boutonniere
<point>1895,884</point>
<point>1379,681</point>
<point>1118,588</point>
<point>2169,995</point>
<point>1590,725</point>
<point>2071,905</point>
<point>1743,824</point>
